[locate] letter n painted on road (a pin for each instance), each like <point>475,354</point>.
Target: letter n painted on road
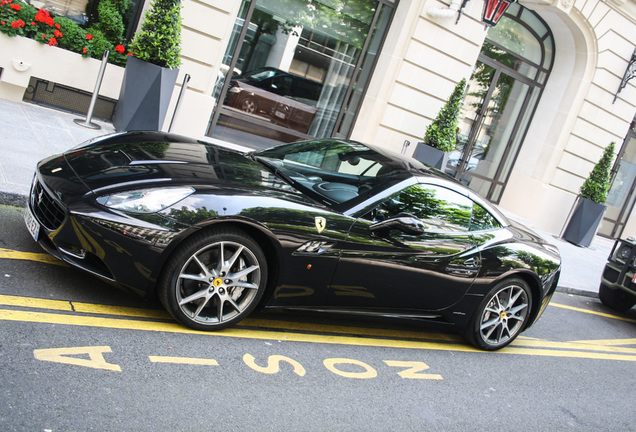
<point>62,355</point>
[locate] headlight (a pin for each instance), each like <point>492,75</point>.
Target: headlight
<point>145,200</point>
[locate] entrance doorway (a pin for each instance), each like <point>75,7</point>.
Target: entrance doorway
<point>501,97</point>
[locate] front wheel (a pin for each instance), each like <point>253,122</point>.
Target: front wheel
<point>501,315</point>
<point>214,279</point>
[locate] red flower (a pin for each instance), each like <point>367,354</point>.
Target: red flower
<point>52,42</point>
<point>15,6</point>
<point>84,50</point>
<point>32,22</point>
<point>42,15</point>
<point>130,54</point>
<point>58,26</point>
<point>3,23</point>
<point>120,49</point>
<point>58,34</point>
<point>17,24</point>
<point>89,36</point>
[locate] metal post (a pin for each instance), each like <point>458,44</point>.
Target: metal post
<point>89,115</point>
<point>406,144</point>
<point>184,87</point>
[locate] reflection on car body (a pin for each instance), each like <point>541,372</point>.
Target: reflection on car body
<point>323,225</point>
<point>283,98</point>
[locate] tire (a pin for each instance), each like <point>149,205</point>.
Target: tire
<point>249,105</point>
<point>501,315</point>
<point>616,299</point>
<point>214,280</point>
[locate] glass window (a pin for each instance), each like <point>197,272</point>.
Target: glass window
<point>297,68</point>
<point>482,219</point>
<point>440,208</point>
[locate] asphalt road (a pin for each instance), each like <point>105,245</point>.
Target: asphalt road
<point>79,355</point>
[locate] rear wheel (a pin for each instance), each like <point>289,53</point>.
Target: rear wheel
<point>616,299</point>
<point>214,280</point>
<point>501,315</point>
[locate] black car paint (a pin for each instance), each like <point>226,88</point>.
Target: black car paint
<point>327,270</point>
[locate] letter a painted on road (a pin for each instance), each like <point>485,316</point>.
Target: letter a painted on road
<point>61,355</point>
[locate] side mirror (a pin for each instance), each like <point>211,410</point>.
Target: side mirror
<point>406,223</point>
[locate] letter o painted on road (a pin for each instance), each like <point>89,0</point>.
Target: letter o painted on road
<point>368,372</point>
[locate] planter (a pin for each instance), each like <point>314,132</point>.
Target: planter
<point>431,156</point>
<point>144,97</point>
<point>22,58</point>
<point>584,222</point>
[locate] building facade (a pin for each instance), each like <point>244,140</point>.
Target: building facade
<point>541,102</point>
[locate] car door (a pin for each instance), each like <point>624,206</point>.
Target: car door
<point>414,250</point>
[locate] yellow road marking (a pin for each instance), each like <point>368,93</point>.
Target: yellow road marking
<point>608,342</point>
<point>31,256</point>
<point>61,355</point>
<point>183,360</point>
<point>63,305</point>
<point>55,318</point>
<point>587,311</point>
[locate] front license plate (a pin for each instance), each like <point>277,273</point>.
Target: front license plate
<point>32,225</point>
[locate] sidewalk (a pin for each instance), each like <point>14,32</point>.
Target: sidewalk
<point>31,133</point>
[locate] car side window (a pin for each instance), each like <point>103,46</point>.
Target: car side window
<point>482,219</point>
<point>440,208</point>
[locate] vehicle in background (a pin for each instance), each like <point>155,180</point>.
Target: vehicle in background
<point>618,282</point>
<point>283,98</point>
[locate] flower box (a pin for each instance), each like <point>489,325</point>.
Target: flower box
<point>22,58</point>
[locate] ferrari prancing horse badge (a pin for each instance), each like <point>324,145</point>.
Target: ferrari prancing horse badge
<point>321,223</point>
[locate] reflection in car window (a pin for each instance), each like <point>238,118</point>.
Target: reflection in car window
<point>438,207</point>
<point>482,220</point>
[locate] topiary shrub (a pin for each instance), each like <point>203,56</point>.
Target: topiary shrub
<point>442,133</point>
<point>159,40</point>
<point>597,184</point>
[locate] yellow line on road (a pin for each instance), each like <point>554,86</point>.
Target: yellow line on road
<point>70,306</point>
<point>183,360</point>
<point>591,312</point>
<point>54,318</point>
<point>30,256</point>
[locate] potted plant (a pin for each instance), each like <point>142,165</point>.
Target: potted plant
<point>441,135</point>
<point>151,69</point>
<point>590,204</point>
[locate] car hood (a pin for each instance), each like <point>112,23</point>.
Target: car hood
<point>148,157</point>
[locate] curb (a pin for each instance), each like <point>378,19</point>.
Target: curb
<point>577,291</point>
<point>14,199</point>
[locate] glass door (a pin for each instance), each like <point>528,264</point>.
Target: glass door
<point>488,139</point>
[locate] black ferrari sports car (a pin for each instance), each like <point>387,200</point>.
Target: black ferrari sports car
<point>324,225</point>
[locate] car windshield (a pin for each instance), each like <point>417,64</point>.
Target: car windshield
<point>334,171</point>
<point>260,75</point>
